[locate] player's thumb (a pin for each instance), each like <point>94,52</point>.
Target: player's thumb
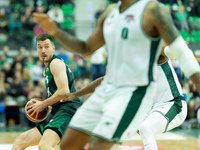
<point>33,100</point>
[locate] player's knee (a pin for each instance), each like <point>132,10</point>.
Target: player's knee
<point>19,143</point>
<point>91,146</point>
<point>94,142</point>
<point>99,144</point>
<point>44,146</point>
<point>69,144</point>
<point>143,129</point>
<point>63,146</point>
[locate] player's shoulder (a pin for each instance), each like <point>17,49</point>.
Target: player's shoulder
<point>156,12</point>
<point>111,6</point>
<point>155,6</point>
<point>57,62</point>
<point>57,66</point>
<point>57,59</point>
<point>108,10</point>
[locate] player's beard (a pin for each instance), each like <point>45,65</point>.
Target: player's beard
<point>45,59</point>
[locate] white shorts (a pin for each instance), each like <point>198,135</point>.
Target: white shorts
<point>113,113</point>
<point>174,111</point>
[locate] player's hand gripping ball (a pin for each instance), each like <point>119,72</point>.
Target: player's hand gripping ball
<point>41,116</point>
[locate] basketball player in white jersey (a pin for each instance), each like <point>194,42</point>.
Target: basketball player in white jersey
<point>169,108</point>
<point>132,31</point>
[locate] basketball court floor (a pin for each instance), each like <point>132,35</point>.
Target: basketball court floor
<point>177,139</point>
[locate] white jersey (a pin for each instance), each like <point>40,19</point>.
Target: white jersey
<point>132,54</point>
<point>168,83</point>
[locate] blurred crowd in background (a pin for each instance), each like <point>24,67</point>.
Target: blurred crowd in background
<point>16,21</point>
<point>21,74</point>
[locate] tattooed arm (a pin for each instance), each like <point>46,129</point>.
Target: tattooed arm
<point>86,90</point>
<point>160,23</point>
<point>157,21</point>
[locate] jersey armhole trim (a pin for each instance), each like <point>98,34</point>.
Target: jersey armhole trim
<point>141,19</point>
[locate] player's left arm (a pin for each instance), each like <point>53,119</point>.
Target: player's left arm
<point>163,57</point>
<point>162,22</point>
<point>58,70</point>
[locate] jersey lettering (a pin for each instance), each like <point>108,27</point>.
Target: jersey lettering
<point>124,33</point>
<point>69,70</point>
<point>46,79</point>
<point>48,92</point>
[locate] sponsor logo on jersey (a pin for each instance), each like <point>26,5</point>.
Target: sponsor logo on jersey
<point>129,18</point>
<point>111,20</point>
<point>108,123</point>
<point>112,16</point>
<point>109,23</point>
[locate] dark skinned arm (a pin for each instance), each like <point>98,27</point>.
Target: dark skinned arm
<point>90,88</point>
<point>71,43</point>
<point>163,25</point>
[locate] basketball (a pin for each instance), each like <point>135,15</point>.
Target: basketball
<point>41,116</point>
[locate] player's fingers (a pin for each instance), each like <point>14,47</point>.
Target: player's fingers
<point>29,107</point>
<point>33,100</point>
<point>30,110</point>
<point>36,115</point>
<point>39,15</point>
<point>35,19</point>
<point>49,108</point>
<point>64,100</point>
<point>32,114</point>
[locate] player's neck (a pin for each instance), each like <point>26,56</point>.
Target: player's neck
<point>46,63</point>
<point>126,3</point>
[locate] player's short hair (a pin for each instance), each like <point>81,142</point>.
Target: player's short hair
<point>43,37</point>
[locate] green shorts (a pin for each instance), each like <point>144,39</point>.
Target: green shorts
<point>61,116</point>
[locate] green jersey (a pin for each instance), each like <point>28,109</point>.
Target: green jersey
<point>51,85</point>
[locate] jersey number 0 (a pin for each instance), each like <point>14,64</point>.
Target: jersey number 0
<point>124,33</point>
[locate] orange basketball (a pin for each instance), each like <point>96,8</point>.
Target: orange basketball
<point>41,116</point>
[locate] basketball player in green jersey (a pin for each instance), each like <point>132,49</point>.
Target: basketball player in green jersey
<point>132,31</point>
<point>58,79</point>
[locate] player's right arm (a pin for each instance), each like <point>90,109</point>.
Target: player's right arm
<point>71,43</point>
<point>160,23</point>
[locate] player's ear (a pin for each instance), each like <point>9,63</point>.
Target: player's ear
<point>54,48</point>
